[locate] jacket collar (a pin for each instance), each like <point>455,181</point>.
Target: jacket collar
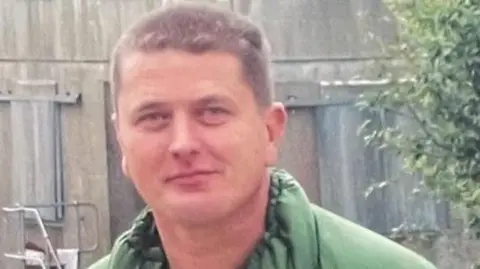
<point>286,241</point>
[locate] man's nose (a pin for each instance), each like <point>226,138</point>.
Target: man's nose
<point>184,143</point>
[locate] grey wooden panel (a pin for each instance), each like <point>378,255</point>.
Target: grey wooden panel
<point>84,154</point>
<point>88,29</point>
<point>411,208</point>
<point>298,153</point>
<point>30,28</point>
<point>297,91</point>
<point>6,25</point>
<point>130,11</point>
<point>122,210</point>
<point>35,177</point>
<point>12,18</point>
<point>322,28</point>
<point>348,168</point>
<point>7,238</point>
<point>85,159</point>
<point>57,29</point>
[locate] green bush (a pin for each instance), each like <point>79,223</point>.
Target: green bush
<point>439,44</point>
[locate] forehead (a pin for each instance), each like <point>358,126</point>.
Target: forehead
<point>178,65</point>
<point>178,75</point>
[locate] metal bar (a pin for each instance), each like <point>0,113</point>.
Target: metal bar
<point>354,83</point>
<point>315,103</point>
<point>37,82</point>
<point>65,99</point>
<point>318,152</point>
<point>23,236</point>
<point>94,246</point>
<point>59,175</point>
<point>25,258</point>
<point>61,61</point>
<point>66,204</point>
<point>97,229</point>
<point>77,216</point>
<point>42,228</point>
<point>364,82</point>
<point>274,60</point>
<point>330,59</point>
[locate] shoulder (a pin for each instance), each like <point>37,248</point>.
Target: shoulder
<point>101,264</point>
<point>344,244</point>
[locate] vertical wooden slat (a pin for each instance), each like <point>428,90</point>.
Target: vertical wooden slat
<point>9,240</point>
<point>20,22</point>
<point>6,32</point>
<point>411,206</point>
<point>122,211</point>
<point>347,167</point>
<point>109,25</point>
<point>46,169</point>
<point>84,155</point>
<point>130,11</point>
<point>34,154</point>
<point>298,155</point>
<point>323,28</point>
<point>67,32</point>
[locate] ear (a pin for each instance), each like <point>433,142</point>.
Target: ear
<point>276,120</point>
<point>114,120</point>
<point>125,167</point>
<point>124,163</point>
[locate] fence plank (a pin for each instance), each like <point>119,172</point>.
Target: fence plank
<point>298,155</point>
<point>34,154</point>
<point>348,168</point>
<point>411,207</point>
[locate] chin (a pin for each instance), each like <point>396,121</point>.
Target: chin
<point>197,209</point>
<point>198,217</point>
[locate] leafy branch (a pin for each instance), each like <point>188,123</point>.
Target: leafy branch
<point>436,116</point>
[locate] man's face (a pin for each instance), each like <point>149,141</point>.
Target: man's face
<point>194,141</point>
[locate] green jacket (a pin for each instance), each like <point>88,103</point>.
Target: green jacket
<point>299,235</point>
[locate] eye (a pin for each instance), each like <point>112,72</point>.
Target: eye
<point>214,115</point>
<point>154,120</point>
<point>215,110</point>
<point>153,116</point>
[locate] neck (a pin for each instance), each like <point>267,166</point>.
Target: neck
<point>223,244</point>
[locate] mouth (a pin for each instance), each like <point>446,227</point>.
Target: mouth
<point>190,175</point>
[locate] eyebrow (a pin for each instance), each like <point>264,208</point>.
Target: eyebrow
<point>203,101</point>
<point>214,98</point>
<point>149,105</point>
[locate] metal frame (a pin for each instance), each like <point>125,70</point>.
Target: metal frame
<point>315,104</point>
<point>59,98</point>
<point>67,97</point>
<point>51,252</point>
<point>28,92</point>
<point>49,248</point>
<point>46,91</point>
<point>298,94</point>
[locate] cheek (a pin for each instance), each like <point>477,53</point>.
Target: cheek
<point>238,145</point>
<point>143,152</point>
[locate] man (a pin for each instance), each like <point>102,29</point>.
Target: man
<point>199,132</point>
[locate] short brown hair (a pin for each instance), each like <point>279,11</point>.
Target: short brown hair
<point>199,28</point>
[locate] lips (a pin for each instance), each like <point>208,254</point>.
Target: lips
<point>186,176</point>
